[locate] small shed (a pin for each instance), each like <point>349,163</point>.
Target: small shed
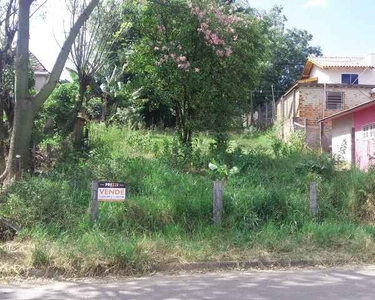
<point>353,134</point>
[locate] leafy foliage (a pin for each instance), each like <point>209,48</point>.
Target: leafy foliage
<point>201,59</point>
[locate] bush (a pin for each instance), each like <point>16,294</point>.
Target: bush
<point>95,108</point>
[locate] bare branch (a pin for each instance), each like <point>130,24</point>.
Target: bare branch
<point>47,89</point>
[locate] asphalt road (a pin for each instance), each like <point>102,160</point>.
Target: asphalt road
<point>353,283</point>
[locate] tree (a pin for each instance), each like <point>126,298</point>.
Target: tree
<point>91,47</point>
<point>8,29</point>
<point>26,105</point>
<point>288,51</point>
<point>202,59</point>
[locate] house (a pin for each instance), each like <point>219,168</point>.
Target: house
<point>41,74</point>
<point>353,134</point>
<point>327,86</point>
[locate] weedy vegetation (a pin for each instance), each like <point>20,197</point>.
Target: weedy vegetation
<point>168,214</point>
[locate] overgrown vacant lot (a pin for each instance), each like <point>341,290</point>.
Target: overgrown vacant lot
<point>167,217</point>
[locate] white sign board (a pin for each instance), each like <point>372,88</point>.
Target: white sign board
<point>111,191</point>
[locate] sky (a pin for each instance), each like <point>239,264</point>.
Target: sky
<point>340,27</point>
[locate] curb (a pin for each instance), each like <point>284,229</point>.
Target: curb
<point>248,264</point>
<point>258,264</point>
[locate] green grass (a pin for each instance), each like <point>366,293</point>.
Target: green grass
<point>167,217</point>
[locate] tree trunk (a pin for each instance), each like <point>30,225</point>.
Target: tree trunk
<point>2,127</point>
<point>78,106</point>
<point>26,106</point>
<point>105,108</point>
<point>24,110</point>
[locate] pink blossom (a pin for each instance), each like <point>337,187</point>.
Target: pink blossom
<point>228,52</point>
<point>161,28</point>
<point>172,55</point>
<point>215,39</point>
<point>204,25</point>
<point>196,70</point>
<point>235,37</point>
<point>179,47</point>
<point>184,65</point>
<point>156,48</point>
<point>181,58</point>
<point>219,53</point>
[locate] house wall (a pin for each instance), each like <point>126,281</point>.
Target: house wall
<point>310,106</point>
<point>366,76</point>
<point>365,147</point>
<point>313,109</point>
<point>342,137</point>
<point>40,80</point>
<point>286,110</point>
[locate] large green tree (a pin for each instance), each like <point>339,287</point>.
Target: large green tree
<point>202,59</point>
<point>288,50</point>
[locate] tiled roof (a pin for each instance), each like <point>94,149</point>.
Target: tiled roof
<point>36,65</point>
<point>340,62</point>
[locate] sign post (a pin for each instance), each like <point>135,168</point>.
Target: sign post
<point>218,201</point>
<point>103,191</point>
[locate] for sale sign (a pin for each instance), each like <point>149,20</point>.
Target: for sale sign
<point>111,191</point>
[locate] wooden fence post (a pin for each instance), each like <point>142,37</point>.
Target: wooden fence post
<point>94,206</point>
<point>86,142</point>
<point>18,167</point>
<point>218,201</point>
<point>49,154</point>
<point>33,158</point>
<point>313,198</point>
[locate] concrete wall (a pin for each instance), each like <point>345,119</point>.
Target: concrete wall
<point>366,76</point>
<point>365,147</point>
<point>342,137</point>
<point>40,80</point>
<point>287,109</point>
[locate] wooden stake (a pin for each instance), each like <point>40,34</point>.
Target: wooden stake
<point>273,105</point>
<point>352,148</point>
<point>18,167</point>
<point>33,158</point>
<point>94,205</point>
<point>313,198</point>
<point>218,201</point>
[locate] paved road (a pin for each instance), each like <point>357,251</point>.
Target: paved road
<point>332,284</point>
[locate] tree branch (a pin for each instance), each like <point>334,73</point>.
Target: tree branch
<point>47,89</point>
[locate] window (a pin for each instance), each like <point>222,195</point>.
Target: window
<point>334,100</point>
<point>349,78</point>
<point>369,131</point>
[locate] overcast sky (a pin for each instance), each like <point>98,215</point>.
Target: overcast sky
<point>340,27</point>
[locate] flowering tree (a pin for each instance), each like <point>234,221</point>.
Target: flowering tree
<point>200,58</point>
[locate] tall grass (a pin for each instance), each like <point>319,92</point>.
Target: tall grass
<point>167,216</point>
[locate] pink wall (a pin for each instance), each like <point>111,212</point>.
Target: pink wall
<point>365,148</point>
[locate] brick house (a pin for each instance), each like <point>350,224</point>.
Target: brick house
<point>353,135</point>
<point>327,86</point>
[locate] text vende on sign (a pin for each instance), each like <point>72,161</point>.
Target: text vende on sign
<point>111,191</point>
